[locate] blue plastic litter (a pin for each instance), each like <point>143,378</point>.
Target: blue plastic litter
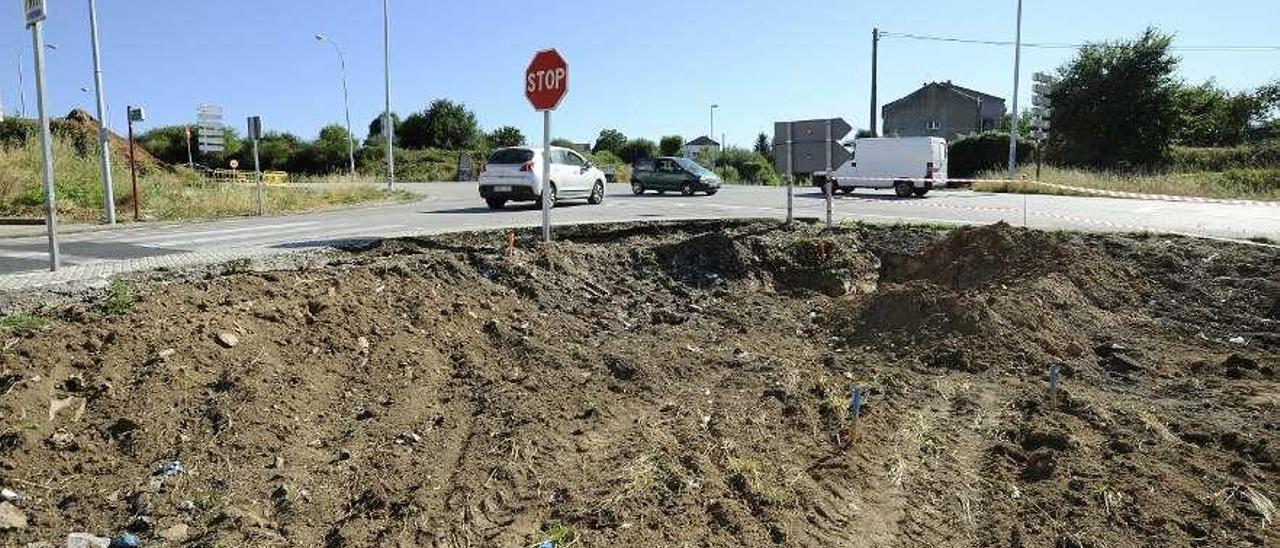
<point>547,544</point>
<point>125,540</point>
<point>855,402</point>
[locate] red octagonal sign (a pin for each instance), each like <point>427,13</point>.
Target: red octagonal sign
<point>546,81</point>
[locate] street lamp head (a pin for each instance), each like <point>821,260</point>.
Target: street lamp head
<point>320,37</point>
<point>51,47</point>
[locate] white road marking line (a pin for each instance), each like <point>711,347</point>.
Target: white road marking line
<point>238,235</point>
<point>256,228</point>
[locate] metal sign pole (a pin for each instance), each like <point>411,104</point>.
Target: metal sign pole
<point>133,166</point>
<point>790,174</point>
<point>828,186</point>
<point>191,161</point>
<point>388,126</point>
<point>104,143</point>
<point>257,176</point>
<point>546,176</point>
<point>46,148</point>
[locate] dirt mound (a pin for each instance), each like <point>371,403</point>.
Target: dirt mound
<point>658,385</point>
<point>81,128</point>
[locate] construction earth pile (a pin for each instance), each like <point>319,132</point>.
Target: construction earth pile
<point>662,385</point>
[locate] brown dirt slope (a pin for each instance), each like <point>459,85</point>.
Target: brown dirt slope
<point>665,385</point>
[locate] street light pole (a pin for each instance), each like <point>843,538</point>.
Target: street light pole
<point>46,146</point>
<point>346,103</point>
<point>22,88</point>
<point>388,128</point>
<point>712,136</point>
<point>875,81</point>
<point>1013,118</point>
<point>104,143</point>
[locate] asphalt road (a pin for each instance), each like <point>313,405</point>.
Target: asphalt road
<point>457,206</point>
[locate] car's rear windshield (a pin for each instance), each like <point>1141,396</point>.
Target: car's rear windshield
<point>511,156</point>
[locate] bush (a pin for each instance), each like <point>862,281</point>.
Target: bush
<point>636,149</point>
<point>15,132</point>
<point>974,154</point>
<point>1260,155</point>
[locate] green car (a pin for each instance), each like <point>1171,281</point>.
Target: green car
<point>674,174</point>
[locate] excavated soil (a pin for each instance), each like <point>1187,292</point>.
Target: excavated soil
<point>664,385</point>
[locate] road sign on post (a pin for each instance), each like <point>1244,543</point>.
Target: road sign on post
<point>35,11</point>
<point>255,133</point>
<point>810,145</point>
<point>134,115</point>
<point>209,129</point>
<point>546,81</point>
<point>36,14</point>
<point>1040,123</point>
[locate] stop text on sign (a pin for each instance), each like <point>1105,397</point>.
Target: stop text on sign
<point>546,80</point>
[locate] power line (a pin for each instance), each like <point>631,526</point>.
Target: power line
<point>1051,45</point>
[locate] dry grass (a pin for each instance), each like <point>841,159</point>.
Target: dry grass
<point>165,195</point>
<point>1252,184</point>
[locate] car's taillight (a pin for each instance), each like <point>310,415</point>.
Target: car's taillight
<point>528,166</point>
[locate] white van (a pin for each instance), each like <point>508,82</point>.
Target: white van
<point>908,165</point>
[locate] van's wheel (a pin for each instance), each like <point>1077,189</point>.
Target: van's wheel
<point>903,189</point>
<point>597,194</point>
<point>637,189</point>
<point>686,189</point>
<point>495,203</point>
<point>920,192</point>
<point>551,195</point>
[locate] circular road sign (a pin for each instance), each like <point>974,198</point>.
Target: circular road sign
<point>546,81</point>
<point>235,163</point>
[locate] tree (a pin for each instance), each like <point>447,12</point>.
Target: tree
<point>636,149</point>
<point>167,143</point>
<point>562,143</point>
<point>375,128</point>
<point>277,151</point>
<point>444,124</point>
<point>1115,105</point>
<point>611,140</point>
<point>506,136</point>
<point>671,145</point>
<point>1213,117</point>
<point>762,145</point>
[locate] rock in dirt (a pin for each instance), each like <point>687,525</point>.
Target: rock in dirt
<point>227,339</point>
<point>1122,363</point>
<point>175,534</point>
<point>11,518</point>
<point>86,540</point>
<point>1041,464</point>
<point>165,354</point>
<point>62,441</point>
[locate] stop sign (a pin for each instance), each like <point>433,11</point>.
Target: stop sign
<point>546,80</point>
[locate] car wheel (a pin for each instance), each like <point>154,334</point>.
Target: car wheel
<point>597,194</point>
<point>637,189</point>
<point>662,192</point>
<point>495,203</point>
<point>552,197</point>
<point>846,190</point>
<point>920,192</point>
<point>712,192</point>
<point>903,189</point>
<point>686,189</point>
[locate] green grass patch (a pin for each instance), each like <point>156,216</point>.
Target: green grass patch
<point>117,300</point>
<point>762,481</point>
<point>22,323</point>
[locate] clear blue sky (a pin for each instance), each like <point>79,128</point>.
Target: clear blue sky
<point>646,68</point>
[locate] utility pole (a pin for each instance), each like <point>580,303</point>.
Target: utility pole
<point>1013,124</point>
<point>104,142</point>
<point>388,128</point>
<point>875,74</point>
<point>712,136</point>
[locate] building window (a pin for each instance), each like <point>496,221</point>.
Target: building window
<point>933,125</point>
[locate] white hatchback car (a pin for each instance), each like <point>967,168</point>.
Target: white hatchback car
<point>515,175</point>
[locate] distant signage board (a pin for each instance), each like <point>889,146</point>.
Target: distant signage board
<point>209,129</point>
<point>35,11</point>
<point>803,146</point>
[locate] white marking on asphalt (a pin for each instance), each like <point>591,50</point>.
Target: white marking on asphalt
<point>257,228</point>
<point>235,235</point>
